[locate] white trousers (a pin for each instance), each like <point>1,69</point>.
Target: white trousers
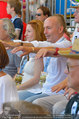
<point>55,104</point>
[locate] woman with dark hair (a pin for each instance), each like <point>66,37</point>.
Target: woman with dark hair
<point>7,86</point>
<point>43,13</point>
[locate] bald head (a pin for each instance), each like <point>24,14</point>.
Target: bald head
<point>52,19</point>
<point>54,28</point>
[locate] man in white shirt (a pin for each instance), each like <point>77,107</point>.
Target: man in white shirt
<point>49,100</point>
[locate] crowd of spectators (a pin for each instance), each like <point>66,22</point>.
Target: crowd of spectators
<point>47,47</point>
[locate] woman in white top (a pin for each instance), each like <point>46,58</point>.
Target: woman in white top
<point>30,83</point>
<point>8,90</point>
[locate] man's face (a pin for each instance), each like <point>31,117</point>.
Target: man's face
<point>76,14</point>
<point>73,73</point>
<point>51,29</point>
<point>9,9</point>
<point>40,16</point>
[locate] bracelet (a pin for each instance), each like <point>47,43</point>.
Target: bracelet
<point>32,49</point>
<point>56,53</point>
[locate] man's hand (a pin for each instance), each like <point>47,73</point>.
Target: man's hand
<point>60,86</point>
<point>26,50</point>
<point>70,92</point>
<point>44,52</point>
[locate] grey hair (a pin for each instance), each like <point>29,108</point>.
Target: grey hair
<point>9,27</point>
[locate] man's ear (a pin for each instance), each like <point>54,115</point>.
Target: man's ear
<point>12,8</point>
<point>61,29</point>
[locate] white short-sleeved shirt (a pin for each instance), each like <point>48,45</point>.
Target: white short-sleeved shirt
<point>56,66</point>
<point>56,69</point>
<point>8,91</point>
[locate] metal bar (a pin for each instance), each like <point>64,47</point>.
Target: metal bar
<point>27,11</point>
<point>52,7</point>
<point>70,14</point>
<point>60,8</point>
<point>65,10</point>
<point>21,10</point>
<point>49,2</point>
<point>55,6</point>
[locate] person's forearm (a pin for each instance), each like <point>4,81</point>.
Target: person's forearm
<point>28,44</point>
<point>36,49</point>
<point>27,84</point>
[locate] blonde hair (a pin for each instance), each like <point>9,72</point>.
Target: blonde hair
<point>9,27</point>
<point>37,25</point>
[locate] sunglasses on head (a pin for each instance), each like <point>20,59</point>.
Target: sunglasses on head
<point>38,14</point>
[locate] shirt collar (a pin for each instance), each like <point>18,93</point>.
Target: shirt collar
<point>61,39</point>
<point>12,19</point>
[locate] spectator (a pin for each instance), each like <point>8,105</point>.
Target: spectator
<point>32,34</point>
<point>7,33</point>
<point>14,9</point>
<point>7,86</point>
<point>42,13</point>
<point>62,85</point>
<point>72,69</point>
<point>76,19</point>
<point>31,75</point>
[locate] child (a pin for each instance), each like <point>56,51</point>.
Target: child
<point>14,9</point>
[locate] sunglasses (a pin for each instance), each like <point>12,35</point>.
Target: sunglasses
<point>38,14</point>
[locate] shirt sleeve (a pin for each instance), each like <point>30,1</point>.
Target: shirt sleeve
<point>18,24</point>
<point>65,43</point>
